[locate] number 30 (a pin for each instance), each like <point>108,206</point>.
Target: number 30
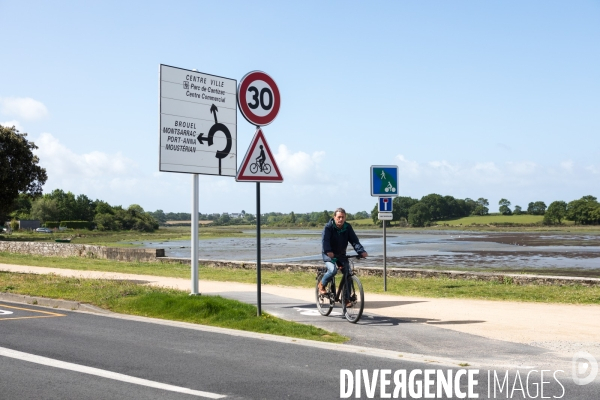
<point>260,99</point>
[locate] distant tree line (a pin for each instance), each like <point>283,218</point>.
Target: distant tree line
<point>434,207</point>
<point>58,206</point>
<point>312,219</point>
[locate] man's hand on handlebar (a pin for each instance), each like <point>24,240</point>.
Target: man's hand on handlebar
<point>330,255</point>
<point>364,254</point>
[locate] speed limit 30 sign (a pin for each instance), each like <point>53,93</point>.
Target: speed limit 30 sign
<point>258,98</point>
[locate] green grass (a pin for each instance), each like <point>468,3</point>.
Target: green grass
<point>131,298</point>
<point>495,219</point>
<point>125,238</point>
<point>422,287</point>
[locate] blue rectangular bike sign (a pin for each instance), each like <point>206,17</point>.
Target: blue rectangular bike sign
<point>384,181</point>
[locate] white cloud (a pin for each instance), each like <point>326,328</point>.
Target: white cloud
<point>23,107</point>
<point>301,168</point>
<point>10,124</point>
<point>593,169</point>
<point>567,165</point>
<point>60,160</point>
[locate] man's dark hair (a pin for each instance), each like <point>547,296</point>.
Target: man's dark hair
<point>337,210</point>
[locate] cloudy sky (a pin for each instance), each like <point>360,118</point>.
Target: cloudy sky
<point>496,99</point>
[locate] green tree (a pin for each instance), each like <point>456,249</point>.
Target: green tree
<point>504,207</point>
<point>22,207</point>
<point>84,208</point>
<point>585,211</point>
<point>536,208</point>
<point>44,209</point>
<point>482,207</point>
<point>160,216</point>
<point>556,211</point>
<point>292,218</point>
<point>324,217</point>
<point>419,215</point>
<point>518,210</point>
<point>19,169</point>
<point>400,207</point>
<point>438,208</point>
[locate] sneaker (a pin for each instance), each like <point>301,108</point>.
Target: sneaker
<point>322,289</point>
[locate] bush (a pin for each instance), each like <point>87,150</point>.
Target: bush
<point>77,225</point>
<point>52,224</point>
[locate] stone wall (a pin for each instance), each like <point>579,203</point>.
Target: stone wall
<point>81,250</point>
<point>516,279</point>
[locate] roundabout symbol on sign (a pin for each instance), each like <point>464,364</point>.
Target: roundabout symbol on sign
<point>258,98</point>
<point>217,127</point>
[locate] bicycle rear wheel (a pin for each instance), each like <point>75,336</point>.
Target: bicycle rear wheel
<point>354,311</point>
<point>324,301</point>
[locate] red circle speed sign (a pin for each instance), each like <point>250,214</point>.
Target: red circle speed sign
<point>258,98</point>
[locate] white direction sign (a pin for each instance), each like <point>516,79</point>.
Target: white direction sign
<point>259,98</point>
<point>198,122</point>
<point>385,216</point>
<point>259,164</point>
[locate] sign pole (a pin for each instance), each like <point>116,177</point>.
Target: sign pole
<point>258,249</point>
<point>194,254</point>
<point>384,259</point>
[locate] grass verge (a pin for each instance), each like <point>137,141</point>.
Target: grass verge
<point>130,298</point>
<point>421,287</point>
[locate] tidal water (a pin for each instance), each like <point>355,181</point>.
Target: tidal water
<point>448,249</point>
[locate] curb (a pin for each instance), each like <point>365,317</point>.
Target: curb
<point>517,279</point>
<point>52,303</point>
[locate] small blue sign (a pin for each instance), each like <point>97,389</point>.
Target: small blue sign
<point>384,180</point>
<point>385,204</point>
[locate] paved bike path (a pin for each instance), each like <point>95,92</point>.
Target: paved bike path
<point>488,332</point>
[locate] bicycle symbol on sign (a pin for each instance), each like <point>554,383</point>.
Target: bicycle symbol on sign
<point>260,163</point>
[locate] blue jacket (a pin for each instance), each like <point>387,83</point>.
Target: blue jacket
<point>336,240</point>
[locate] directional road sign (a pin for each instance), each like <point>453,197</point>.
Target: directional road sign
<point>258,98</point>
<point>198,122</point>
<point>385,204</point>
<point>384,180</point>
<point>259,164</point>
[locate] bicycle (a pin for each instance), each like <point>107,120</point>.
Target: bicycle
<point>255,167</point>
<point>351,298</point>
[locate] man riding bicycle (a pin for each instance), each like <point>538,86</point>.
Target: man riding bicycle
<point>337,233</point>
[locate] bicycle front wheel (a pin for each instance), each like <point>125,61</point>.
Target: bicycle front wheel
<point>324,301</point>
<point>353,306</point>
<point>253,168</point>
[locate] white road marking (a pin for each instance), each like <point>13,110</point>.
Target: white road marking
<point>313,312</point>
<point>5,312</point>
<point>103,373</point>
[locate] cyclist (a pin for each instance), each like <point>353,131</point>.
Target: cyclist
<point>337,233</point>
<point>261,157</point>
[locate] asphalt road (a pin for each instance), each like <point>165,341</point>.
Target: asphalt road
<point>44,354</point>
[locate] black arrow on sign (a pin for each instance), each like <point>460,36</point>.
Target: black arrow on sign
<point>214,109</point>
<point>211,133</point>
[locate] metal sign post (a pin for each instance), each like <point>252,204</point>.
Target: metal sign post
<point>258,279</point>
<point>194,253</point>
<point>259,101</point>
<point>384,258</point>
<point>385,214</point>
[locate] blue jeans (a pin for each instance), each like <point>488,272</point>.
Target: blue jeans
<point>332,270</point>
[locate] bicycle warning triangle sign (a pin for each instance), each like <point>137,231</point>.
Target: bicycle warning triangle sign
<point>259,164</point>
